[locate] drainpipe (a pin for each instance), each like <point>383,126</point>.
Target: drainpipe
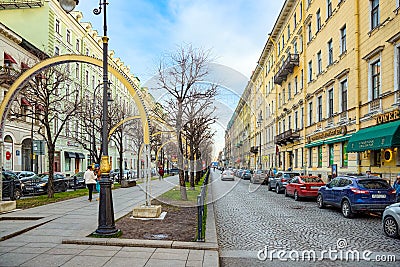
<point>357,69</point>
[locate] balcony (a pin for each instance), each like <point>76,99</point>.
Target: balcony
<point>287,137</point>
<point>287,67</point>
<point>7,4</point>
<point>375,106</point>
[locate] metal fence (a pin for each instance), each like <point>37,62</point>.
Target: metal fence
<point>202,209</point>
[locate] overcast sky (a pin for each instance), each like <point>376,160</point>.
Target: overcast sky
<point>141,32</point>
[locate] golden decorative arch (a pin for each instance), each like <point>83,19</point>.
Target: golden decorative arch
<point>54,61</point>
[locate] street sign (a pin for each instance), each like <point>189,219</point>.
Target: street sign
<point>38,147</point>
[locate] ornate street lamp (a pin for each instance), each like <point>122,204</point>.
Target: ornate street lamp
<point>106,222</point>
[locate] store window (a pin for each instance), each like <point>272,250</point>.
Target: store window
<point>319,156</point>
<point>344,154</point>
<point>67,164</point>
<point>310,157</point>
<point>331,154</point>
<point>374,14</point>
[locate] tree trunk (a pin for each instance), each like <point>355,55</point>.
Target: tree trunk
<point>180,154</point>
<point>50,181</point>
<point>191,162</point>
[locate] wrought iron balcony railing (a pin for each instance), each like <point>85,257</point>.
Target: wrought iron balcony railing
<point>287,67</point>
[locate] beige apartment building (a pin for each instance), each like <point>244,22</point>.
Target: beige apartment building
<point>324,97</point>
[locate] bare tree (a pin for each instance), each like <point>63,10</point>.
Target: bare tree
<point>179,75</point>
<point>53,102</point>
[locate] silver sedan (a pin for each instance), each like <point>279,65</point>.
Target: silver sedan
<point>227,175</point>
<point>391,220</point>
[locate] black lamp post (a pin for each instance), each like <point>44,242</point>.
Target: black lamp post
<point>106,222</point>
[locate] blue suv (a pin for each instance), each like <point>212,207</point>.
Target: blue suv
<point>356,194</point>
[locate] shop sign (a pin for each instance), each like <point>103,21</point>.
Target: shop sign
<point>342,130</point>
<point>388,116</point>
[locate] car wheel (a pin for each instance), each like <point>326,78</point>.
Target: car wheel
<point>286,194</point>
<point>269,187</point>
<point>296,196</point>
<point>320,201</point>
<point>346,209</point>
<point>64,188</point>
<point>277,189</point>
<point>17,193</point>
<point>390,227</point>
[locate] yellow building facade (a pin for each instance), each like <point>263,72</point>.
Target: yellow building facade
<point>328,77</point>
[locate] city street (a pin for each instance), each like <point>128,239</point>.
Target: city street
<point>251,219</point>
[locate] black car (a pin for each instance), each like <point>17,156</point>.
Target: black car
<point>80,181</point>
<point>11,185</point>
<point>60,183</point>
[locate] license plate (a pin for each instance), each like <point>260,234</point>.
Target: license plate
<point>378,196</point>
<point>315,187</point>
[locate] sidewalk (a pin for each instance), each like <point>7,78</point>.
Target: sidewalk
<point>55,235</point>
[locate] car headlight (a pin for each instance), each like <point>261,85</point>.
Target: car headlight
<point>42,184</point>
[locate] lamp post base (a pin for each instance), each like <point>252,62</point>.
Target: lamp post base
<point>106,225</point>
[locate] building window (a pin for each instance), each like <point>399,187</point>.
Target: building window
<point>302,79</point>
<point>77,45</point>
<point>343,47</point>
<point>93,85</point>
<point>310,157</point>
<point>296,120</point>
<point>310,71</point>
<point>328,8</point>
<point>301,10</point>
<point>343,89</point>
<point>302,157</point>
<point>68,37</point>
<point>310,113</point>
<point>397,68</point>
<point>302,118</point>
<point>87,77</point>
<point>67,164</point>
<point>87,51</point>
<point>295,85</point>
<point>57,26</point>
<point>283,96</point>
<point>301,43</point>
<point>319,62</point>
<point>288,31</point>
<point>319,107</point>
<point>308,3</point>
<point>318,15</point>
<point>375,79</point>
<point>283,126</point>
<point>289,120</point>
<point>344,154</point>
<point>309,29</point>
<point>77,70</point>
<point>289,91</point>
<point>330,52</point>
<point>294,20</point>
<point>319,156</point>
<point>331,154</point>
<point>295,47</point>
<point>330,103</point>
<point>374,14</point>
<point>56,51</point>
<point>296,155</point>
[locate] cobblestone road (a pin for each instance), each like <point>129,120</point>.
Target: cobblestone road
<point>250,218</point>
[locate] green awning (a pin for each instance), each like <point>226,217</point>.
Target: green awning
<point>377,137</point>
<point>337,139</point>
<point>316,143</point>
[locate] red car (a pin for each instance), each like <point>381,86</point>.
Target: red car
<point>303,186</point>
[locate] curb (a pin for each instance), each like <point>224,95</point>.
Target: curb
<point>142,243</point>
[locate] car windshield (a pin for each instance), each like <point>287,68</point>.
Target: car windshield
<point>311,180</point>
<point>290,175</point>
<point>373,184</point>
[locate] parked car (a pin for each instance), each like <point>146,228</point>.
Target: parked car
<point>173,171</point>
<point>113,173</point>
<point>391,220</point>
<point>356,194</point>
<point>227,175</point>
<point>60,183</point>
<point>80,181</point>
<point>126,175</point>
<point>303,186</point>
<point>280,180</point>
<point>24,174</point>
<point>28,184</point>
<point>11,185</point>
<point>259,177</point>
<point>246,175</point>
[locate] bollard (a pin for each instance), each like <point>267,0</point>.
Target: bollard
<point>74,183</point>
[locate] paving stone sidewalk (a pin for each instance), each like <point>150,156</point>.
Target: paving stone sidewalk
<point>55,235</point>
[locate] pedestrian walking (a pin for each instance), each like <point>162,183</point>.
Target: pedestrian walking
<point>368,173</point>
<point>161,172</point>
<point>97,173</point>
<point>90,180</point>
<point>396,186</point>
